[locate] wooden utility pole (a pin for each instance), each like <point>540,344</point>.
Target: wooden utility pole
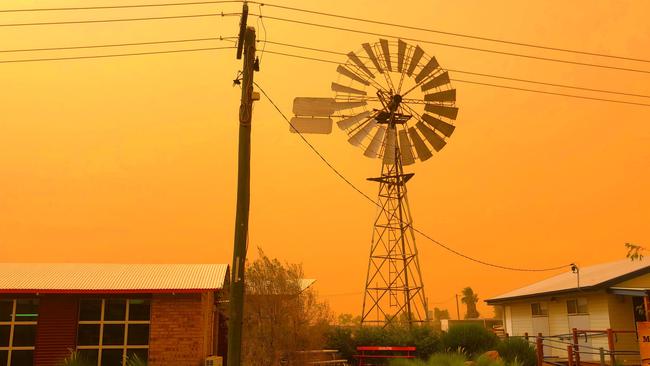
<point>247,44</point>
<point>457,308</point>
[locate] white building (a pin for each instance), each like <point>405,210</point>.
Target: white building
<point>595,299</point>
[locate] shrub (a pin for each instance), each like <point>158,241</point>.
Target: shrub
<point>347,339</point>
<point>487,361</point>
<point>447,359</point>
<point>471,339</point>
<point>74,359</point>
<point>517,349</point>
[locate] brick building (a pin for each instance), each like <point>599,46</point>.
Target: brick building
<point>165,314</point>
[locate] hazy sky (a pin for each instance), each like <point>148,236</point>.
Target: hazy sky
<point>133,159</point>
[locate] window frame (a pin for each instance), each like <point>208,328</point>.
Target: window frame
<point>12,326</point>
<point>577,306</point>
<point>543,306</point>
<point>126,322</point>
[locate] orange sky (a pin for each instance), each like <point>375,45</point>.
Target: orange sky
<point>134,159</point>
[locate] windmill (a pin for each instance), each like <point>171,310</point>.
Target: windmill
<point>397,104</point>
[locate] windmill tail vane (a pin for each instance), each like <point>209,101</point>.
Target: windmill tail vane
<point>398,105</point>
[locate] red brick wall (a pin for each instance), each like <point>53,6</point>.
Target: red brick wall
<point>181,329</point>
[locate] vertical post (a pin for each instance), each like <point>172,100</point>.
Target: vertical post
<point>243,200</point>
<point>612,345</point>
<point>602,356</point>
<point>569,351</point>
<point>526,337</point>
<point>576,347</point>
<point>646,307</point>
<point>539,351</point>
<point>457,308</point>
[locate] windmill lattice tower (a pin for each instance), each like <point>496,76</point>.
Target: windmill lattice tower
<point>397,104</point>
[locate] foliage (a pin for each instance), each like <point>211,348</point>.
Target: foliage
<point>634,252</point>
<point>519,350</point>
<point>347,339</point>
<point>447,359</point>
<point>470,339</point>
<point>74,359</point>
<point>135,360</point>
<point>349,320</point>
<point>470,299</point>
<point>280,317</point>
<point>439,314</point>
<point>483,360</point>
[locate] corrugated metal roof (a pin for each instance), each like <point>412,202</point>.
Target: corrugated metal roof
<point>86,277</point>
<point>590,278</point>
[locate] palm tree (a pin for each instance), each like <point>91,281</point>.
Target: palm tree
<point>470,299</point>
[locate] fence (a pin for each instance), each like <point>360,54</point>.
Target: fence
<point>577,353</point>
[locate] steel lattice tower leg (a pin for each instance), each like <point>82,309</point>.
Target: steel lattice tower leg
<point>394,289</point>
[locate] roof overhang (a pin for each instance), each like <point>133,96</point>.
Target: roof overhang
<point>582,290</point>
<point>107,291</point>
<point>630,291</point>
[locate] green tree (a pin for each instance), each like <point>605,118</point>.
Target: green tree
<point>470,299</point>
<point>280,315</point>
<point>634,252</point>
<point>439,314</point>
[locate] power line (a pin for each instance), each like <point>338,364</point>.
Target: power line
<point>119,20</point>
<point>457,46</point>
<point>116,55</point>
<point>552,93</point>
<point>118,6</point>
<point>119,44</point>
<point>485,84</point>
<point>402,26</point>
<point>473,73</point>
<point>455,34</point>
<point>359,191</point>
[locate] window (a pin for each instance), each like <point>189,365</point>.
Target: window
<point>17,331</point>
<point>539,308</point>
<point>577,306</point>
<point>113,330</point>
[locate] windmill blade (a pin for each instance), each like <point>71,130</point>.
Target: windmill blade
<point>386,51</point>
<point>439,80</point>
<point>363,132</point>
<point>346,72</point>
<point>443,96</point>
<point>346,89</point>
<point>311,125</point>
<point>348,122</point>
<point>373,58</point>
<point>420,147</point>
<point>348,105</point>
<point>427,69</point>
<point>375,145</point>
<point>445,128</point>
<point>405,148</point>
<point>434,139</point>
<point>389,149</point>
<point>360,64</point>
<point>401,50</point>
<point>415,59</point>
<point>321,107</point>
<point>441,110</point>
<point>318,107</point>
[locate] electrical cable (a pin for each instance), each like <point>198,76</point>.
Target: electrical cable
<point>370,21</point>
<point>551,93</point>
<point>119,20</point>
<point>455,45</point>
<point>471,72</point>
<point>403,26</point>
<point>119,6</point>
<point>359,191</point>
<point>484,84</point>
<point>115,55</point>
<point>119,44</point>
